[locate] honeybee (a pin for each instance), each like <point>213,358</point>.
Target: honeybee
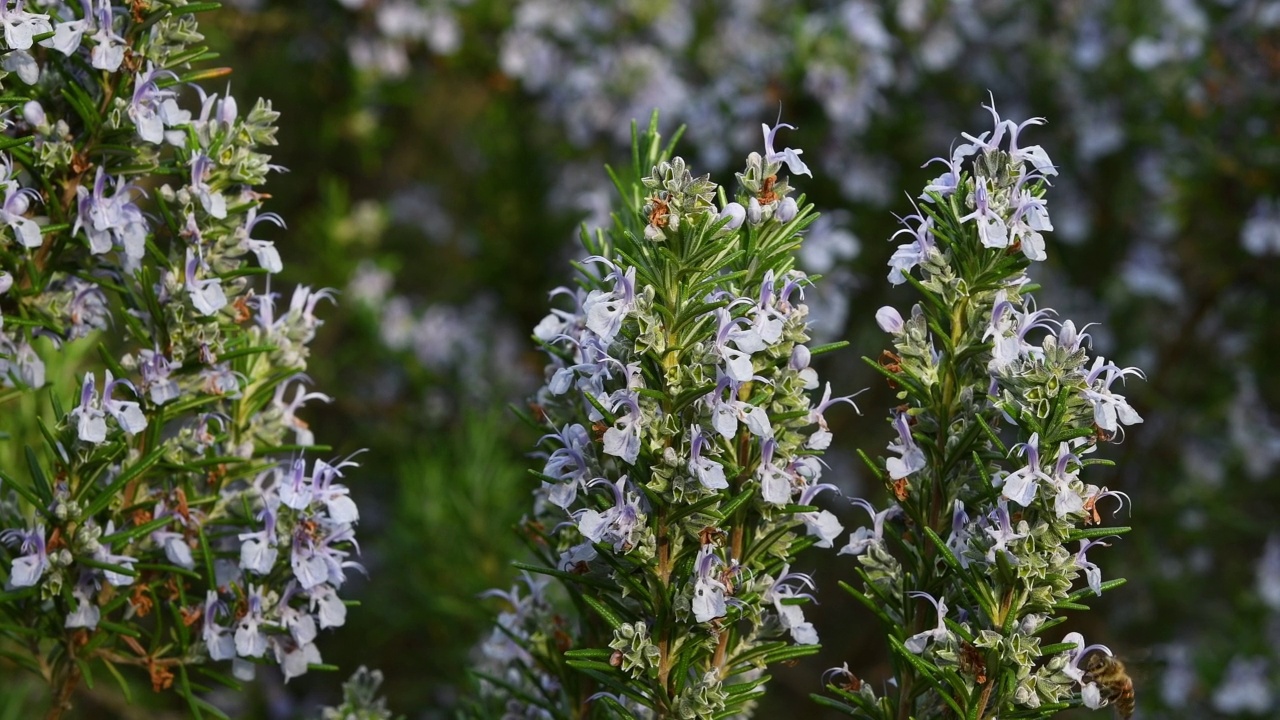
<point>1113,680</point>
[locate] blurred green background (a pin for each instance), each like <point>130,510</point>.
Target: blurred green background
<point>442,153</point>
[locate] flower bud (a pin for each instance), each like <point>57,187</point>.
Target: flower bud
<point>787,210</point>
<point>799,357</point>
<point>889,320</point>
<point>736,214</point>
<point>227,110</point>
<point>753,211</point>
<point>33,113</point>
<point>6,282</point>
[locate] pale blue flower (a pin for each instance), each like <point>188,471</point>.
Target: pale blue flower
<point>87,311</point>
<point>151,107</point>
<point>175,548</point>
<point>784,593</point>
<point>257,550</point>
<point>67,34</point>
<point>910,458</point>
<point>108,50</point>
<point>1020,485</point>
<point>992,231</point>
<point>20,364</point>
<point>294,659</point>
<point>622,438</point>
<point>329,608</point>
<point>789,157</point>
<point>212,201</point>
<point>616,525</point>
<point>221,380</point>
<point>1089,690</point>
<point>577,557</point>
<point>28,568</point>
<point>335,497</point>
<point>606,310</point>
<point>126,413</point>
<point>766,317</point>
<point>1067,501</point>
<point>862,539</point>
<point>822,523</point>
<point>1110,410</point>
<point>981,143</point>
<point>301,625</point>
<point>1002,534</point>
<point>911,254</point>
<point>22,64</point>
<point>775,482</point>
<point>264,250</point>
<point>708,472</point>
<point>1092,573</point>
<point>17,201</point>
<point>155,369</point>
<point>945,184</point>
<point>91,422</point>
<point>724,414</point>
<point>563,322</point>
<point>110,221</point>
<point>708,591</point>
<point>250,639</point>
<point>86,615</point>
<point>568,464</point>
<point>219,640</point>
<point>206,294</point>
<point>20,26</point>
<point>820,439</point>
<point>1029,219</point>
<point>174,543</point>
<point>295,491</point>
<point>315,558</point>
<point>918,642</point>
<point>1100,494</point>
<point>1033,154</point>
<point>289,410</point>
<point>737,361</point>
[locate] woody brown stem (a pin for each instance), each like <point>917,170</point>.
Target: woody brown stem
<point>986,696</point>
<point>62,698</point>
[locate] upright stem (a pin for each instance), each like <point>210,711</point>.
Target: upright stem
<point>62,697</point>
<point>985,697</point>
<point>664,620</point>
<point>735,553</point>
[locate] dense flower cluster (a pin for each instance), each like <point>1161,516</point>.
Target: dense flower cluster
<point>998,533</point>
<point>172,483</point>
<point>1168,175</point>
<point>681,454</point>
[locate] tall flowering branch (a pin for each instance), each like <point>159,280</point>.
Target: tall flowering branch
<point>988,536</point>
<point>166,516</point>
<point>682,452</point>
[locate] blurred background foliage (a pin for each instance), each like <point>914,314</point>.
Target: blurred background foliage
<point>443,152</point>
